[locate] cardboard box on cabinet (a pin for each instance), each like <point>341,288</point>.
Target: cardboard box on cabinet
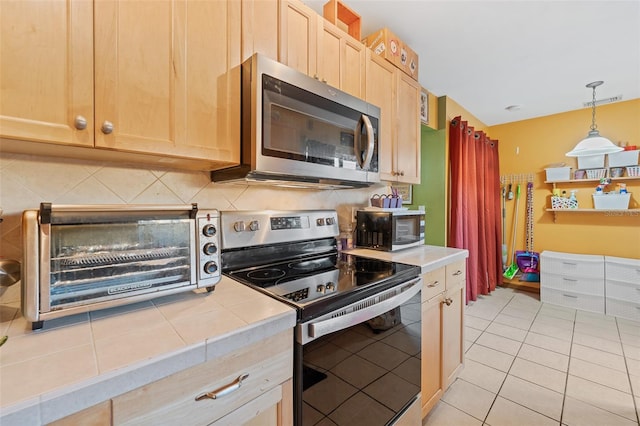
<point>386,44</point>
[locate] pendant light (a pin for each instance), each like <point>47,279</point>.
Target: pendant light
<point>593,144</point>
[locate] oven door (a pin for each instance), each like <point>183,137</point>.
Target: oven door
<point>352,358</point>
<point>305,127</point>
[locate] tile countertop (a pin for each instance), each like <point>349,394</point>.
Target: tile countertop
<point>429,258</point>
<point>78,361</point>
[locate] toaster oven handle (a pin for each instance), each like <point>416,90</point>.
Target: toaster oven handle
<point>368,153</point>
<point>324,327</point>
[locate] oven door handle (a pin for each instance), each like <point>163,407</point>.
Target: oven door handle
<point>324,327</point>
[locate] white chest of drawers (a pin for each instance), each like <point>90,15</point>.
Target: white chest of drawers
<point>622,287</point>
<point>573,280</point>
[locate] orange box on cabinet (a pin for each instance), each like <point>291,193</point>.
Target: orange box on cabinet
<point>343,17</point>
<point>386,44</point>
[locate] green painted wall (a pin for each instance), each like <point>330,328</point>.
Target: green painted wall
<point>431,192</point>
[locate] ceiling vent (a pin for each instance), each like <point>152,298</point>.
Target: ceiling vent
<point>604,101</point>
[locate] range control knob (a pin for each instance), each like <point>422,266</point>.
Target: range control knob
<point>330,286</point>
<point>320,221</point>
<point>254,225</point>
<point>209,230</point>
<point>320,288</point>
<point>330,221</point>
<point>238,226</point>
<point>210,267</point>
<point>209,249</point>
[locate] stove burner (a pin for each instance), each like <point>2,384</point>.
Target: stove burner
<point>266,274</point>
<point>309,265</point>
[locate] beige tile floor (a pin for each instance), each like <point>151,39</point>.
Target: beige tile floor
<point>531,363</point>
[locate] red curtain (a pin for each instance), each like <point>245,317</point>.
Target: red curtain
<point>475,221</point>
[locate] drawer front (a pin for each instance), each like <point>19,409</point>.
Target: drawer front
<point>433,283</point>
<point>581,266</point>
<point>628,272</point>
<point>456,273</point>
<point>623,309</point>
<point>584,302</point>
<point>623,291</point>
<point>593,286</point>
<point>171,400</point>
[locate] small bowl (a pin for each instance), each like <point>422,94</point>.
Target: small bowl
<point>616,172</point>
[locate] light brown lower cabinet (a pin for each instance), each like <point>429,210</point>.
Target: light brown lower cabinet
<point>442,328</point>
<point>252,386</point>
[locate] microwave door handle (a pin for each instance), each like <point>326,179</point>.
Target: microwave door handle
<point>368,155</point>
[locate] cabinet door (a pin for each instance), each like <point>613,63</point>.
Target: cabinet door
<point>330,58</point>
<point>452,338</point>
<point>298,34</point>
<point>46,71</point>
<point>379,91</point>
<point>353,69</point>
<point>408,128</point>
<point>341,59</point>
<point>259,28</point>
<point>431,381</point>
<point>162,81</point>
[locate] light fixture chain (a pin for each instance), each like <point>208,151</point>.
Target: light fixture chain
<point>593,111</point>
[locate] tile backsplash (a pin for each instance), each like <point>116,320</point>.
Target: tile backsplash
<point>26,181</point>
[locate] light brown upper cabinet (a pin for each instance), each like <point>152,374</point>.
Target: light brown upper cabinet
<point>163,86</point>
<point>46,71</point>
<point>317,48</point>
<point>398,96</point>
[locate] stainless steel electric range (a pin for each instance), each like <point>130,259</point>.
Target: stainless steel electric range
<point>357,338</point>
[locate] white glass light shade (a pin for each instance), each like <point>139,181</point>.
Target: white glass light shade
<point>593,144</point>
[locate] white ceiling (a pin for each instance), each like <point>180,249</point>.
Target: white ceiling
<point>487,55</point>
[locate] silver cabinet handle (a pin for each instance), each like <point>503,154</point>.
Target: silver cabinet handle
<point>80,122</point>
<point>107,127</point>
<point>225,390</point>
<point>570,295</point>
<point>458,272</point>
<point>435,283</point>
<point>448,301</point>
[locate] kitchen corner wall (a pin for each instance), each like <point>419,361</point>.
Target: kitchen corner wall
<point>529,146</point>
<point>26,181</point>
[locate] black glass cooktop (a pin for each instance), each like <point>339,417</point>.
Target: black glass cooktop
<point>320,283</point>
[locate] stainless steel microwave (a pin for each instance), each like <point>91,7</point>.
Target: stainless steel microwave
<point>389,229</point>
<point>79,258</point>
<point>298,131</point>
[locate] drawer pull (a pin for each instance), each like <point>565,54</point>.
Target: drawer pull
<point>570,295</point>
<point>569,263</point>
<point>448,301</point>
<point>569,279</point>
<point>225,390</point>
<point>458,272</point>
<point>435,283</point>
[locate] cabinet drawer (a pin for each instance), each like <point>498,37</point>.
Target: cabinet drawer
<point>171,400</point>
<point>585,302</point>
<point>578,285</point>
<point>572,265</point>
<point>623,309</point>
<point>621,269</point>
<point>433,283</point>
<point>623,291</point>
<point>456,273</point>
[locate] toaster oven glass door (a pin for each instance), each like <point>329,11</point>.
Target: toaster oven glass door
<point>96,258</point>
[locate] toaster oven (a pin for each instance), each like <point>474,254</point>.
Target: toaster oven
<point>79,258</point>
